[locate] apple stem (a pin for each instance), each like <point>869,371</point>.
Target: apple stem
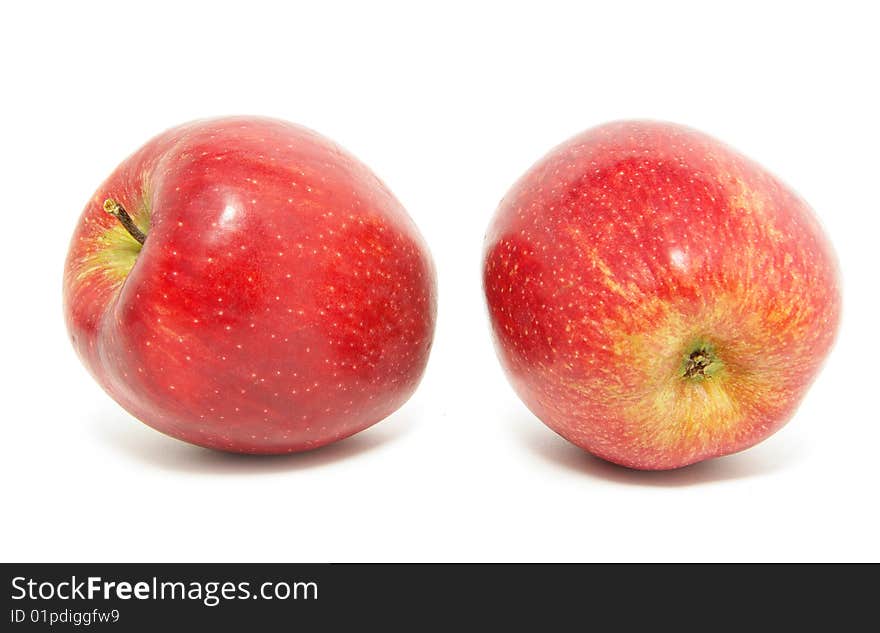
<point>697,362</point>
<point>702,363</point>
<point>118,211</point>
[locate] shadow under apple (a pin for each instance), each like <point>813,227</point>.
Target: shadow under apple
<point>124,434</point>
<point>771,456</point>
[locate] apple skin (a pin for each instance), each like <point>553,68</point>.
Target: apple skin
<point>283,298</point>
<point>656,298</point>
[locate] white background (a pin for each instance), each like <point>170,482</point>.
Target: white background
<point>449,104</point>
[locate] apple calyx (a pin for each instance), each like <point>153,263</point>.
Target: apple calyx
<point>701,362</point>
<point>115,209</point>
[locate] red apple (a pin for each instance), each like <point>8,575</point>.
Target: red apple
<point>282,299</point>
<point>657,298</point>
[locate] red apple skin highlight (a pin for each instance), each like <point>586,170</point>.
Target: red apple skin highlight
<point>657,298</point>
<point>283,298</point>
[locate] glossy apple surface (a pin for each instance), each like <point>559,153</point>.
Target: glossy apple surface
<point>283,299</point>
<point>657,298</point>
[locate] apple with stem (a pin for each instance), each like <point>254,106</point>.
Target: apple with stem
<point>657,298</point>
<point>244,284</point>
